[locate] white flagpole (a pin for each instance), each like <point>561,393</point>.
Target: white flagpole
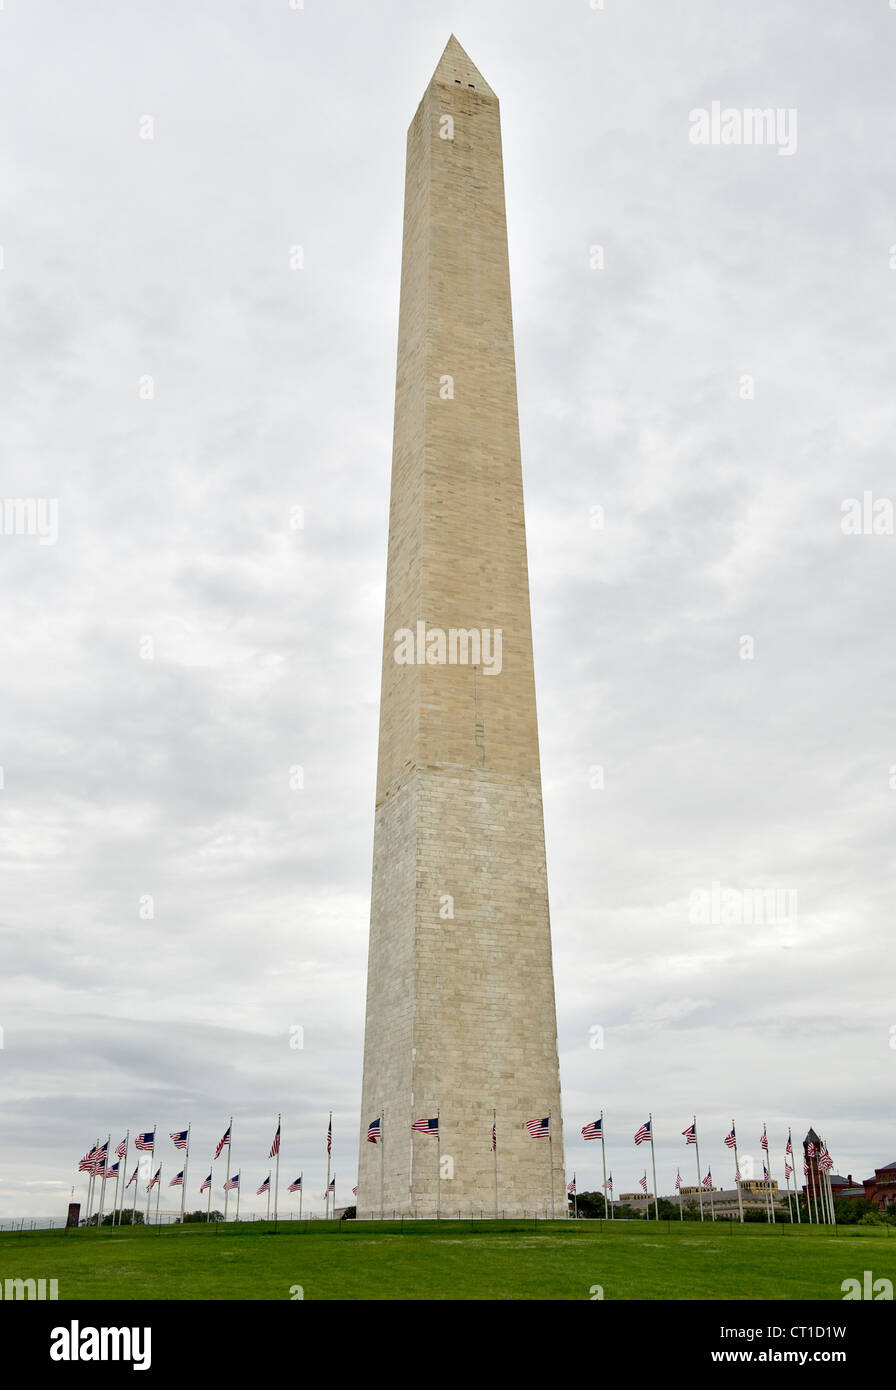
<point>603,1162</point>
<point>183,1190</point>
<point>115,1206</point>
<point>227,1175</point>
<point>301,1186</point>
<point>277,1169</point>
<point>208,1215</point>
<point>124,1174</point>
<point>768,1169</point>
<point>712,1208</point>
<point>680,1211</point>
<point>551,1162</point>
<point>382,1162</point>
<point>796,1191</point>
<point>656,1208</point>
<point>740,1198</point>
<point>155,1130</point>
<point>136,1185</point>
<point>269,1197</point>
<point>103,1181</point>
<point>329,1156</point>
<point>699,1174</point>
<point>238,1198</point>
<point>158,1194</point>
<point>438,1166</point>
<point>90,1181</point>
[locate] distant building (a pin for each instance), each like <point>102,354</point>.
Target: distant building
<point>881,1189</point>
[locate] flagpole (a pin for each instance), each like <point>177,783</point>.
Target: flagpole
<point>699,1174</point>
<point>438,1166</point>
<point>103,1181</point>
<point>155,1130</point>
<point>127,1135</point>
<point>603,1163</point>
<point>208,1215</point>
<point>227,1175</point>
<point>269,1197</point>
<point>277,1170</point>
<point>712,1207</point>
<point>134,1205</point>
<point>329,1155</point>
<point>183,1190</point>
<point>656,1208</point>
<point>796,1194</point>
<point>680,1210</point>
<point>768,1169</point>
<point>115,1197</point>
<point>90,1177</point>
<point>740,1199</point>
<point>495,1152</point>
<point>158,1193</point>
<point>551,1162</point>
<point>382,1162</point>
<point>301,1186</point>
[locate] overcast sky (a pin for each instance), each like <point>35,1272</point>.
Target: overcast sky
<point>183,645</point>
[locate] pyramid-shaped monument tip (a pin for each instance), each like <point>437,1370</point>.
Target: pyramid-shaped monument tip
<point>456,68</point>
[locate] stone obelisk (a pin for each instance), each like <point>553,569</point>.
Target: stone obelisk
<point>461,1022</point>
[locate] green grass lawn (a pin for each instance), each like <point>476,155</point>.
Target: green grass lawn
<point>451,1260</point>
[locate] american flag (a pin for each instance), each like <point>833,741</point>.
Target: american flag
<point>145,1141</point>
<point>787,1171</point>
<point>571,1186</point>
<point>113,1171</point>
<point>354,1192</point>
<point>152,1182</point>
<point>737,1175</point>
<point>180,1138</point>
<point>765,1173</point>
<point>707,1181</point>
<point>805,1169</point>
<point>592,1130</point>
<point>788,1148</point>
<point>690,1134</point>
<point>86,1164</point>
<point>825,1162</point>
<point>643,1133</point>
<point>275,1147</point>
<point>494,1136</point>
<point>427,1126</point>
<point>332,1187</point>
<point>206,1184</point>
<point>122,1149</point>
<point>609,1182</point>
<point>177,1181</point>
<point>373,1131</point>
<point>678,1181</point>
<point>539,1129</point>
<point>133,1177</point>
<point>295,1186</point>
<point>730,1139</point>
<point>231,1183</point>
<point>224,1141</point>
<point>99,1158</point>
<point>643,1182</point>
<point>810,1149</point>
<point>265,1186</point>
<point>330,1137</point>
<point>763,1142</point>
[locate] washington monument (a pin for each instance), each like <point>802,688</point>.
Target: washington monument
<point>461,1025</point>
